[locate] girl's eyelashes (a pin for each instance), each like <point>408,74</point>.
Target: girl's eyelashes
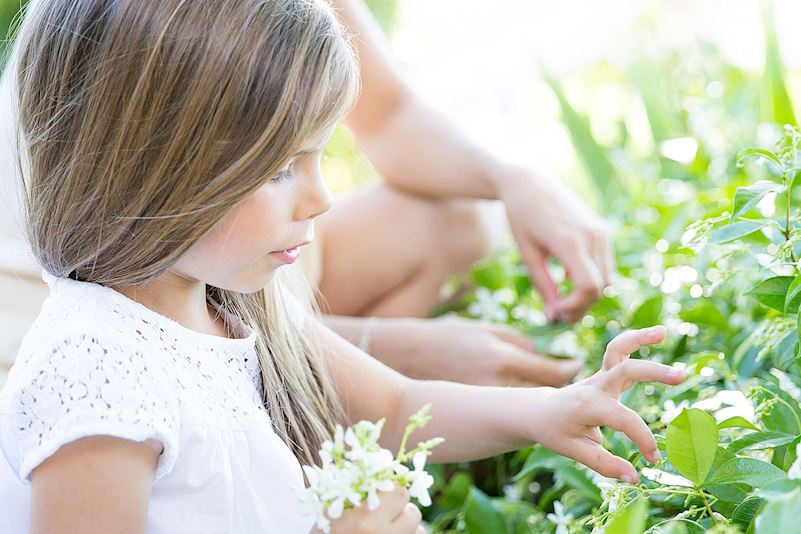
<point>284,174</point>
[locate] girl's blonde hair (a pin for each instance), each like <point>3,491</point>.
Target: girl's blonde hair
<point>143,122</point>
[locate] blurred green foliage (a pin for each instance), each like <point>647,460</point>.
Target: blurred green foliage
<point>707,233</point>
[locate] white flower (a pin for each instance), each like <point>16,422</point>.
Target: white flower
<point>420,479</point>
<point>794,473</point>
<point>355,468</point>
<point>603,483</point>
<point>725,404</point>
<point>665,478</point>
<point>488,305</point>
<point>560,518</point>
<point>566,344</point>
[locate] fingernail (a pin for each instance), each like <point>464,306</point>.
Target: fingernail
<point>654,456</point>
<point>629,478</point>
<point>676,373</point>
<point>654,330</point>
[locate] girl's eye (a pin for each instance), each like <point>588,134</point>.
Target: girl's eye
<point>285,174</point>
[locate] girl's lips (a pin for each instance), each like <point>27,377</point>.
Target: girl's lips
<point>287,256</point>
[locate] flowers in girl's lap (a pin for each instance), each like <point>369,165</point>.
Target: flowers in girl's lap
<point>355,469</point>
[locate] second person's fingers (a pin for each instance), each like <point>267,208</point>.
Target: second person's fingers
<point>392,502</point>
<point>587,281</point>
<point>408,520</point>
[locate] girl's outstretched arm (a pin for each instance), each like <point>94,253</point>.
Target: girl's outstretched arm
<point>478,422</point>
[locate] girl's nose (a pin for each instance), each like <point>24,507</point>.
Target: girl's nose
<point>315,198</point>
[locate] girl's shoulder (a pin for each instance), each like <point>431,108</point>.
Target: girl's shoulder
<point>86,367</point>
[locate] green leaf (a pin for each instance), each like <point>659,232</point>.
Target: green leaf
<point>772,292</point>
<point>746,198</point>
<point>747,510</point>
<point>630,520</point>
<point>541,458</point>
<point>750,471</point>
<point>760,153</point>
<point>481,516</point>
<point>692,439</point>
<point>780,411</point>
<point>490,274</point>
<point>456,492</point>
<point>647,313</point>
<point>737,422</point>
<point>760,440</point>
<point>793,298</point>
<point>781,514</point>
<point>734,231</point>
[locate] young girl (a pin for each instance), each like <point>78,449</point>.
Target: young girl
<point>174,380</point>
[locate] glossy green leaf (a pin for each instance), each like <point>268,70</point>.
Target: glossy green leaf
<point>746,198</point>
<point>750,471</point>
<point>648,313</point>
<point>630,520</point>
<point>481,516</point>
<point>745,512</point>
<point>734,231</point>
<point>737,422</point>
<point>692,439</point>
<point>760,440</point>
<point>793,298</point>
<point>781,514</point>
<point>772,292</point>
<point>754,152</point>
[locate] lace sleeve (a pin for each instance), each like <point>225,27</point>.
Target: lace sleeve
<point>99,383</point>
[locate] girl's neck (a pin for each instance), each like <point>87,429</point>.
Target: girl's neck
<point>180,299</point>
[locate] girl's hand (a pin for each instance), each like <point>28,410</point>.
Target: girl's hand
<point>467,351</point>
<point>573,414</point>
<point>395,515</point>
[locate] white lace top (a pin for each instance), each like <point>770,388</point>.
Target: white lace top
<point>95,362</point>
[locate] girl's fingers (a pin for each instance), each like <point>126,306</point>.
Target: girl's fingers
<point>602,461</point>
<point>408,520</point>
<point>612,414</point>
<point>619,348</point>
<point>624,375</point>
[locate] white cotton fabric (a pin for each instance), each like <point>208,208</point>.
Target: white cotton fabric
<point>97,363</point>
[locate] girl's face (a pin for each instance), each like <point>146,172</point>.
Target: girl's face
<point>264,231</point>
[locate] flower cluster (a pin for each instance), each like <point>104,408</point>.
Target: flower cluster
<point>355,468</point>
